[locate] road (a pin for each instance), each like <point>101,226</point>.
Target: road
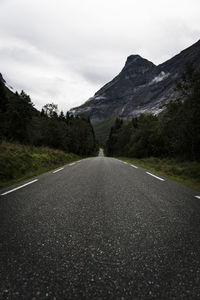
<point>99,229</point>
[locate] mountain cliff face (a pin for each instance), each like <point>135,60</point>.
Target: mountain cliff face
<point>140,87</point>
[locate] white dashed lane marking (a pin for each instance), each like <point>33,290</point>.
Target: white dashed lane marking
<point>155,176</point>
<point>134,166</point>
<point>198,197</point>
<point>19,187</point>
<point>57,170</point>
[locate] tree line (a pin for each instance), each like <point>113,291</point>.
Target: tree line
<point>21,122</point>
<point>174,133</point>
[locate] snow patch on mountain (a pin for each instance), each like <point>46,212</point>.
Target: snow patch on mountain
<point>162,76</point>
<point>100,97</point>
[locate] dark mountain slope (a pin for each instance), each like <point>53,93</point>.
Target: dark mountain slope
<point>140,87</point>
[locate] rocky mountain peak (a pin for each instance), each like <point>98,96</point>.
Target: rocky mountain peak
<point>141,87</point>
<point>132,58</point>
<point>137,63</point>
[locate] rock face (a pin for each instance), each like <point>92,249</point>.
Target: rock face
<point>140,87</point>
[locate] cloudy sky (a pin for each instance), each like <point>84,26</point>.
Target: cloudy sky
<point>63,51</point>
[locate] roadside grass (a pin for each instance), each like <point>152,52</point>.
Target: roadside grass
<point>186,172</point>
<point>19,162</point>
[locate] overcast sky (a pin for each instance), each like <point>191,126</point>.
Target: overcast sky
<point>63,51</point>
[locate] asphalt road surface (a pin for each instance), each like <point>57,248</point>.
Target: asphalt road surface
<point>99,229</point>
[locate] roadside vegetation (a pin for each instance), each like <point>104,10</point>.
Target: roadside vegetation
<point>18,162</point>
<point>186,172</point>
<point>32,141</point>
<point>168,143</point>
<point>21,122</point>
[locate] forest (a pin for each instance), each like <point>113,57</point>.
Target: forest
<point>175,133</point>
<point>21,122</point>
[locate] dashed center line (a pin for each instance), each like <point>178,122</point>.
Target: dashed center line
<point>198,197</point>
<point>19,187</point>
<point>57,170</point>
<point>134,166</point>
<point>155,176</point>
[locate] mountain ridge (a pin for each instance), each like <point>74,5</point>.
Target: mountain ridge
<point>140,87</point>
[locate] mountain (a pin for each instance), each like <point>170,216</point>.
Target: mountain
<point>140,87</point>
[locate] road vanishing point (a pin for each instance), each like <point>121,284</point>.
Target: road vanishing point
<point>99,228</point>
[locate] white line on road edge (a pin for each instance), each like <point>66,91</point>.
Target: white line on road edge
<point>19,187</point>
<point>155,176</point>
<point>198,197</point>
<point>72,164</point>
<point>57,170</point>
<point>134,166</point>
<point>125,163</point>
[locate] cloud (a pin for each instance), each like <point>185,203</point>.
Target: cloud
<point>64,51</point>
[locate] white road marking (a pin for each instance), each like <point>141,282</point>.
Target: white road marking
<point>134,166</point>
<point>72,164</point>
<point>125,163</point>
<point>19,187</point>
<point>155,176</point>
<point>57,170</point>
<point>198,197</point>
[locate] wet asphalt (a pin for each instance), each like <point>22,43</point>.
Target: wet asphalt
<point>99,229</point>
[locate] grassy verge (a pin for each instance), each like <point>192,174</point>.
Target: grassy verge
<point>19,162</point>
<point>186,172</point>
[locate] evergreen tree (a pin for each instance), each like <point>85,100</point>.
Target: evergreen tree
<point>20,121</point>
<point>175,133</point>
